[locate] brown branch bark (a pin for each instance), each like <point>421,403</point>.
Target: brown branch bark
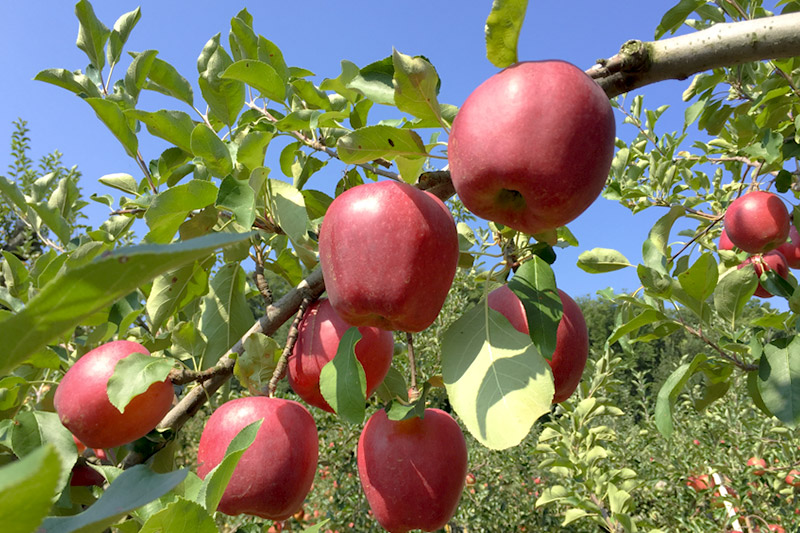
<point>291,340</point>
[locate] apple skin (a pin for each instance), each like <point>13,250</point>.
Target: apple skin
<point>760,463</point>
<point>85,476</point>
<point>757,222</point>
<point>532,146</point>
<point>388,253</point>
<point>412,471</point>
<point>791,248</point>
<point>773,260</point>
<point>793,478</point>
<point>572,338</point>
<point>275,474</point>
<point>81,400</point>
<point>318,339</point>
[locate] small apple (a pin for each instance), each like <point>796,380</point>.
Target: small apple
<point>757,462</point>
<point>81,400</point>
<point>724,241</point>
<point>318,339</point>
<point>572,338</point>
<point>776,528</point>
<point>532,146</point>
<point>470,480</point>
<point>275,474</point>
<point>791,248</point>
<point>774,261</point>
<point>757,222</point>
<point>793,478</point>
<point>84,475</point>
<point>388,253</point>
<point>412,471</point>
<point>699,483</point>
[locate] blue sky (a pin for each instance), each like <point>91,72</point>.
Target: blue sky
<point>317,35</point>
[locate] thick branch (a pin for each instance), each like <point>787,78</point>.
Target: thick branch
<point>722,45</point>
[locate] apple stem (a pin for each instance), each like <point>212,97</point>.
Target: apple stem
<point>291,339</point>
<point>412,364</point>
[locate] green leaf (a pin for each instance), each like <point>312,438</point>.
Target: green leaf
<point>225,97</point>
<point>415,86</point>
<point>392,387</point>
<point>53,220</point>
<point>375,81</point>
<point>669,393</point>
<point>122,182</point>
<point>779,380</point>
<point>119,35</point>
<point>92,34</point>
<point>27,489</point>
<point>287,205</point>
<point>253,148</point>
<point>644,318</point>
<point>172,126</point>
<point>112,116</point>
<point>374,142</point>
<point>258,75</point>
<point>80,292</point>
<point>534,283</point>
<point>133,488</point>
<point>75,82</point>
<point>572,515</point>
<point>136,76</point>
<point>254,368</point>
<point>676,16</point>
<point>700,280</point>
<point>238,197</point>
<point>33,429</point>
<point>242,36</point>
<point>133,375</point>
<point>180,516</point>
<point>10,190</point>
<point>496,380</point>
<point>552,494</point>
<point>342,381</point>
<point>225,316</point>
<point>165,79</point>
<point>215,153</point>
<point>656,247</point>
<point>502,31</point>
<point>732,293</point>
<point>214,484</point>
<point>171,207</point>
<point>600,260</point>
<point>175,289</point>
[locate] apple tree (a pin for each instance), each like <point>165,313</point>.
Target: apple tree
<point>100,319</point>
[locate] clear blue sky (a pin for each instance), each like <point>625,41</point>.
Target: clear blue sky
<point>317,35</point>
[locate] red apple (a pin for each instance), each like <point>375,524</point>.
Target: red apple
<point>776,528</point>
<point>318,339</point>
<point>757,222</point>
<point>698,483</point>
<point>470,480</point>
<point>774,261</point>
<point>793,478</point>
<point>81,400</point>
<point>84,475</point>
<point>412,471</point>
<point>757,462</point>
<point>532,146</point>
<point>388,253</point>
<point>572,338</point>
<point>275,474</point>
<point>791,248</point>
<point>724,241</point>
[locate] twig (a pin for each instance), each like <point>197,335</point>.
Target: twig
<point>747,367</point>
<point>182,376</point>
<point>291,340</point>
<point>412,365</point>
<point>694,239</point>
<point>261,281</point>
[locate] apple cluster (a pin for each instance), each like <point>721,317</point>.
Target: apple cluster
<point>759,223</point>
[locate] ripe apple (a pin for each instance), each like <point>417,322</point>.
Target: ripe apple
<point>275,474</point>
<point>388,253</point>
<point>572,338</point>
<point>776,528</point>
<point>318,339</point>
<point>412,471</point>
<point>725,241</point>
<point>81,400</point>
<point>757,462</point>
<point>791,248</point>
<point>757,222</point>
<point>84,475</point>
<point>470,480</point>
<point>793,478</point>
<point>773,260</point>
<point>532,146</point>
<point>699,483</point>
